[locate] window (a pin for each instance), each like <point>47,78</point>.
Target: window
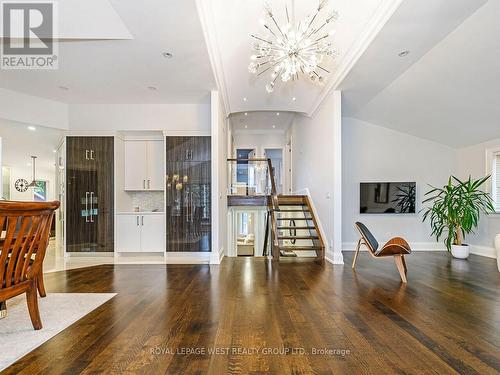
<point>244,223</point>
<point>496,181</point>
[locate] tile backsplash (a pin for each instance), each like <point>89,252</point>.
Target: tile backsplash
<point>148,200</point>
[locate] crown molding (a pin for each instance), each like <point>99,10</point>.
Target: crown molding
<point>209,31</point>
<point>380,18</point>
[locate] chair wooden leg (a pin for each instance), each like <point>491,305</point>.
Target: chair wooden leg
<point>40,284</point>
<point>32,300</point>
<point>398,259</point>
<point>404,264</point>
<point>356,254</point>
<point>3,309</point>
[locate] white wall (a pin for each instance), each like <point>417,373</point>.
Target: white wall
<point>219,134</point>
<point>316,167</point>
<point>472,161</point>
<point>110,117</point>
<point>371,154</point>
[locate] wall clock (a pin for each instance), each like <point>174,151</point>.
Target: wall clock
<point>21,185</point>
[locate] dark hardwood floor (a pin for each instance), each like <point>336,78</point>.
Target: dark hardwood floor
<point>281,319</point>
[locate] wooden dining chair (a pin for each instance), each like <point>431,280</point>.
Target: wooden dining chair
<point>396,247</point>
<point>22,250</point>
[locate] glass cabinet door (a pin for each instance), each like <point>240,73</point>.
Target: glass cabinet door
<point>188,195</point>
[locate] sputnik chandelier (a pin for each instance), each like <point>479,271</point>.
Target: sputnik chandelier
<point>293,49</point>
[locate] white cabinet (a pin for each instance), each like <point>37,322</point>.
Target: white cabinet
<point>140,232</point>
<point>136,173</point>
<point>156,165</point>
<point>144,165</point>
<point>152,233</point>
<point>128,230</point>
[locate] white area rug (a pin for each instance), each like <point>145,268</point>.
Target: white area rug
<point>57,311</point>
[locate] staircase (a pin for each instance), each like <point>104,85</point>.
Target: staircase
<point>296,230</point>
<point>292,230</point>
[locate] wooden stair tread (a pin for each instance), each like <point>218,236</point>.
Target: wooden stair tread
<point>294,218</point>
<point>292,210</point>
<point>297,228</point>
<point>300,248</point>
<point>298,238</point>
<point>286,254</point>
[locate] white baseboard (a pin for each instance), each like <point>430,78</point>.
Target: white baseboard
<point>334,258</point>
<point>187,257</point>
<point>484,251</point>
<point>89,254</point>
<point>217,258</point>
<point>415,246</point>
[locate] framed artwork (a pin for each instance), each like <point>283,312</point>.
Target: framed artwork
<point>40,191</point>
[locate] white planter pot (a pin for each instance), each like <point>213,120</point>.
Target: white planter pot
<point>497,246</point>
<point>460,252</point>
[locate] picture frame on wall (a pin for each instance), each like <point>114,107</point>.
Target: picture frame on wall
<point>40,191</point>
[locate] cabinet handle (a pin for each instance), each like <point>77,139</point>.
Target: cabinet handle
<point>144,184</point>
<point>187,154</point>
<point>86,206</point>
<point>149,184</point>
<point>87,154</point>
<point>91,154</point>
<point>91,206</point>
<point>137,217</point>
<point>142,220</point>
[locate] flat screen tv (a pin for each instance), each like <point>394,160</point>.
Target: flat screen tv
<point>387,197</point>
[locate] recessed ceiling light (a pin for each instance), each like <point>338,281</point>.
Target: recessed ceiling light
<point>404,53</point>
<point>152,88</point>
<point>32,128</point>
<point>274,126</point>
<point>246,113</point>
<point>54,151</point>
<point>167,55</point>
<point>246,126</point>
<point>294,98</point>
<point>244,99</point>
<point>65,88</point>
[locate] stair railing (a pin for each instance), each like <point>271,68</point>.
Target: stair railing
<point>272,206</point>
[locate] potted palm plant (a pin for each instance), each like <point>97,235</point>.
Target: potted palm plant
<point>455,211</point>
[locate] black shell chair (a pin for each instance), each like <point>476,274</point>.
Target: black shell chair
<point>397,247</point>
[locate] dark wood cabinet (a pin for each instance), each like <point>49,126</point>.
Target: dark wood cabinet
<point>90,194</point>
<point>188,194</point>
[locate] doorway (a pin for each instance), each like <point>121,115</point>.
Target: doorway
<point>276,156</point>
<point>246,230</point>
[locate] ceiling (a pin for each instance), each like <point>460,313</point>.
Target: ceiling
<point>261,122</point>
<point>99,65</point>
<point>228,25</point>
<point>446,92</point>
